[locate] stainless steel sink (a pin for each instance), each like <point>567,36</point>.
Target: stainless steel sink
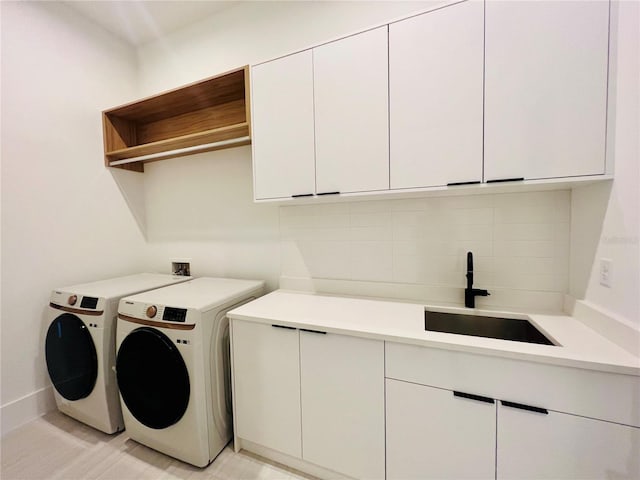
<point>514,329</point>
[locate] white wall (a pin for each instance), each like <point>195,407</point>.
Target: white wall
<point>606,218</point>
<point>64,220</point>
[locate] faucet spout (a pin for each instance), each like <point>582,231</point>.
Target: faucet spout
<point>470,293</point>
<point>469,270</point>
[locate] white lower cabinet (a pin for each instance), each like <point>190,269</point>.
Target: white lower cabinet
<point>323,400</point>
<point>432,433</point>
<point>266,383</point>
<point>342,390</point>
<point>552,445</point>
<point>312,395</point>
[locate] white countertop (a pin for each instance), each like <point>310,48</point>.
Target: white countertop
<point>578,345</point>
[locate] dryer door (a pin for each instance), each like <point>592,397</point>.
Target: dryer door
<point>153,378</point>
<point>71,357</point>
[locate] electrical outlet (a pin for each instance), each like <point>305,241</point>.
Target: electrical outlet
<point>606,272</point>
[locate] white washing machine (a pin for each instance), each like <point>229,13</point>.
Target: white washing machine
<point>80,346</point>
<point>173,366</point>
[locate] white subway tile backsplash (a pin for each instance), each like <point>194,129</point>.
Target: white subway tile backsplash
<point>372,261</point>
<point>292,258</point>
<point>520,243</point>
<point>371,234</point>
<point>376,206</point>
<point>371,219</point>
<point>410,205</point>
<point>526,248</point>
<point>525,265</point>
<point>471,216</point>
<point>337,234</point>
<point>409,269</point>
<point>332,221</point>
<point>461,247</point>
<point>329,260</point>
<point>413,233</point>
<point>409,218</point>
<point>406,247</point>
<point>463,201</point>
<point>472,232</point>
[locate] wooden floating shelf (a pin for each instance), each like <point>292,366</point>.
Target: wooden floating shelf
<point>208,115</point>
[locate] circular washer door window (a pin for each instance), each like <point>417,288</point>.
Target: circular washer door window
<point>152,378</point>
<point>71,357</point>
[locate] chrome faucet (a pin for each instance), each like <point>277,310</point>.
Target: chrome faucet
<point>470,293</point>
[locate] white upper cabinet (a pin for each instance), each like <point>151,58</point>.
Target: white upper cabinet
<point>283,135</point>
<point>351,113</point>
<point>435,97</point>
<point>471,92</point>
<point>545,88</point>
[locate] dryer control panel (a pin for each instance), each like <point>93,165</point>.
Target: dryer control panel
<point>174,314</point>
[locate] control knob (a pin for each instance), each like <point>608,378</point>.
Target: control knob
<point>72,299</point>
<point>151,311</point>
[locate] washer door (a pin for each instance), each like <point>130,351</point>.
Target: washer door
<point>71,357</point>
<point>153,378</point>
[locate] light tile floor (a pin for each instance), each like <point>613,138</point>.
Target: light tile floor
<point>58,447</point>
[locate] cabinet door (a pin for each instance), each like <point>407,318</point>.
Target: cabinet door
<point>343,403</point>
<point>433,434</point>
<point>435,95</point>
<point>351,113</point>
<point>267,385</point>
<point>283,137</point>
<point>555,445</point>
<point>545,88</point>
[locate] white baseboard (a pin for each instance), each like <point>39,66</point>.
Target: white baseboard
<point>284,461</point>
<point>27,408</point>
<point>606,323</point>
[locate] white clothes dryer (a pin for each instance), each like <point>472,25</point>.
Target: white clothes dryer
<point>80,346</point>
<point>173,366</point>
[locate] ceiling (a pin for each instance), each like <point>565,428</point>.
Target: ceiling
<point>139,21</point>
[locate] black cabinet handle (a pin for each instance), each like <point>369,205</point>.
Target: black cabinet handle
<point>498,180</point>
<point>302,195</point>
<point>328,193</point>
<point>455,184</point>
<point>522,406</point>
<point>284,326</point>
<point>471,396</point>
<point>312,331</point>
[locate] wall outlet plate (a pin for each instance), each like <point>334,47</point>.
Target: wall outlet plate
<point>606,272</point>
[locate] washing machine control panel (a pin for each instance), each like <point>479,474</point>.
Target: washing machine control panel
<point>155,312</point>
<point>76,302</point>
<point>174,314</point>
